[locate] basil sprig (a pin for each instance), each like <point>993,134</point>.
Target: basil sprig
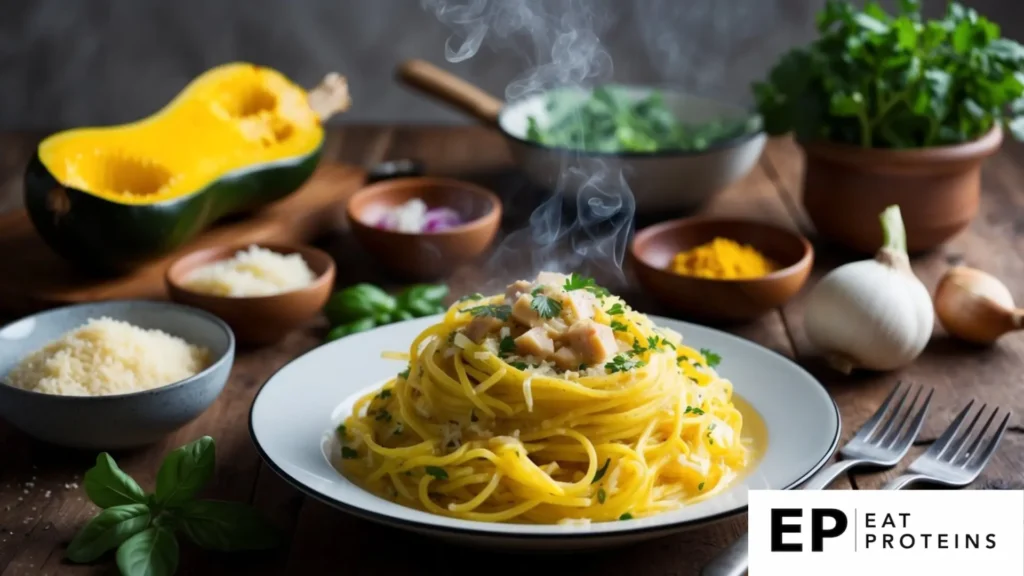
<point>361,307</point>
<point>142,526</point>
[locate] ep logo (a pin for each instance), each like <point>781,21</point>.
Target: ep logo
<point>823,523</point>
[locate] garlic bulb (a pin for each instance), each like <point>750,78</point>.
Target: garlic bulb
<point>874,314</point>
<point>976,306</point>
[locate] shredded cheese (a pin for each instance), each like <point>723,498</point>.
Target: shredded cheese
<point>252,272</point>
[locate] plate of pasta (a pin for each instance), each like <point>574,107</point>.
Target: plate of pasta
<point>553,415</point>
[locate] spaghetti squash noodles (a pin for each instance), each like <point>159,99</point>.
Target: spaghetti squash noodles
<point>554,402</point>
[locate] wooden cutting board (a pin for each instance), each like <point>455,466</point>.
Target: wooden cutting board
<point>32,277</point>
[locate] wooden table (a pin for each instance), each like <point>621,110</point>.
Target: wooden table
<point>42,504</point>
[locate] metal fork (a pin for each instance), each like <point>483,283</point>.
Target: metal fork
<point>880,443</point>
<point>947,462</point>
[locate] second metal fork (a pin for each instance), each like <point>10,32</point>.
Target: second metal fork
<point>947,462</point>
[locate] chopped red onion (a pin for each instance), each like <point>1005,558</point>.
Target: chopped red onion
<point>414,217</point>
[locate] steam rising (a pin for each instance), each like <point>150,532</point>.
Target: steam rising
<point>585,225</point>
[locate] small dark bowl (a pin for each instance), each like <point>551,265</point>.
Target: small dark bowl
<point>427,255</point>
<point>720,300</point>
<point>256,320</point>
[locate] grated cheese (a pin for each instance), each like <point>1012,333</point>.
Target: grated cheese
<point>108,356</point>
<point>252,272</point>
<point>528,393</point>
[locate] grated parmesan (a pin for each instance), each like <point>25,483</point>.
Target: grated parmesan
<point>108,356</point>
<point>252,272</point>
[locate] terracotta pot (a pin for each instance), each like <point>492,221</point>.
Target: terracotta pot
<point>937,189</point>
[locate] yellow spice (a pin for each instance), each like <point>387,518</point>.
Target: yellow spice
<point>722,258</point>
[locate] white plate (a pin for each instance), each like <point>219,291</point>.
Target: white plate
<point>294,414</point>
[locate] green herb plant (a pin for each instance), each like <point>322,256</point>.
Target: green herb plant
<point>877,80</point>
<point>361,307</point>
<point>141,526</point>
<point>611,119</point>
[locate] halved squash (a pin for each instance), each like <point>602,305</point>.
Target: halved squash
<point>236,138</point>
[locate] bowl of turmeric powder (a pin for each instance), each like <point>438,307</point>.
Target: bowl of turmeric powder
<point>721,270</point>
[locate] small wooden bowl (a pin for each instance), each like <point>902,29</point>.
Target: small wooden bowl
<point>427,255</point>
<point>720,300</point>
<point>256,320</point>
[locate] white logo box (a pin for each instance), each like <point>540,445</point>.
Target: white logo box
<point>915,532</point>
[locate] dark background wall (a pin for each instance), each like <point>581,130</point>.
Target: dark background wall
<point>73,62</point>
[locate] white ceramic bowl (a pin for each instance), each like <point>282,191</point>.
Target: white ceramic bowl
<point>294,415</point>
<point>659,181</point>
<point>120,420</point>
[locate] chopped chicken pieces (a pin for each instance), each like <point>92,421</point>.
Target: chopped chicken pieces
<point>592,342</point>
<point>524,314</point>
<point>566,359</point>
<point>580,304</point>
<point>517,289</point>
<point>535,342</point>
<point>480,327</point>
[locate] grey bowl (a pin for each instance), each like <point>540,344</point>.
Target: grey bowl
<point>121,420</point>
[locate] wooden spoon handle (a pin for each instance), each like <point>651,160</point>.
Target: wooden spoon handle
<point>445,86</point>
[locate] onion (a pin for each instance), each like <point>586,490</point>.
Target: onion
<point>873,314</point>
<point>975,306</point>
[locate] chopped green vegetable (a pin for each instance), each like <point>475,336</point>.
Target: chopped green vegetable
<point>383,415</point>
<point>619,326</point>
<point>436,472</point>
<point>349,453</point>
<point>404,374</point>
<point>341,432</point>
<point>473,296</point>
<point>711,358</point>
<point>545,306</point>
<point>577,282</point>
<point>614,119</point>
<point>878,80</point>
<point>626,516</point>
<point>616,309</point>
<point>361,325</point>
<point>601,471</point>
<point>385,393</point>
<point>623,364</point>
<point>357,302</point>
<point>519,365</point>
<point>499,311</point>
<point>700,486</point>
<point>601,495</point>
<point>507,345</point>
<point>693,410</point>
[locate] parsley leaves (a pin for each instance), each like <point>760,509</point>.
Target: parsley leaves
<point>710,357</point>
<point>349,453</point>
<point>626,516</point>
<point>619,326</point>
<point>519,365</point>
<point>506,346</point>
<point>601,496</point>
<point>623,364</point>
<point>340,430</point>
<point>436,472</point>
<point>616,309</point>
<point>700,486</point>
<point>577,282</point>
<point>546,306</point>
<point>499,311</point>
<point>473,296</point>
<point>693,410</point>
<point>404,374</point>
<point>385,393</point>
<point>601,471</point>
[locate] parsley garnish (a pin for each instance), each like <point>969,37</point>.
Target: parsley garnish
<point>383,415</point>
<point>622,364</point>
<point>616,309</point>
<point>507,345</point>
<point>577,282</point>
<point>619,326</point>
<point>499,311</point>
<point>693,410</point>
<point>348,453</point>
<point>710,357</point>
<point>519,365</point>
<point>341,432</point>
<point>637,348</point>
<point>582,368</point>
<point>546,306</point>
<point>437,472</point>
<point>700,486</point>
<point>601,495</point>
<point>601,471</point>
<point>385,393</point>
<point>404,374</point>
<point>473,296</point>
<point>711,441</point>
<point>626,516</point>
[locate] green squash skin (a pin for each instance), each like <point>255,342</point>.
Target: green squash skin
<point>102,237</point>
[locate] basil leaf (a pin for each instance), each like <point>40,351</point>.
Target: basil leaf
<point>152,552</point>
<point>184,472</point>
<point>226,526</point>
<point>106,485</point>
<point>107,531</point>
<point>358,301</point>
